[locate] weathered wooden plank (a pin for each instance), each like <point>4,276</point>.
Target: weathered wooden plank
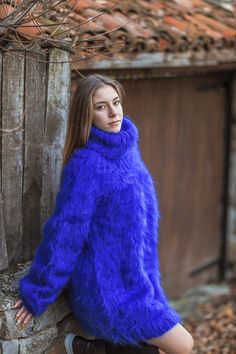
<point>35,108</point>
<point>231,209</point>
<point>3,245</point>
<point>182,140</point>
<point>12,167</point>
<point>58,97</point>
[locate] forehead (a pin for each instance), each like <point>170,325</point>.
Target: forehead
<point>104,93</point>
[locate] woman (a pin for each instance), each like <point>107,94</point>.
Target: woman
<point>101,241</point>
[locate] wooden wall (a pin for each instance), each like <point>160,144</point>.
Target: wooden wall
<point>34,101</point>
<point>231,214</point>
<point>182,125</point>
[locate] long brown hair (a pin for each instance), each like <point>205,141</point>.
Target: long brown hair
<point>81,112</point>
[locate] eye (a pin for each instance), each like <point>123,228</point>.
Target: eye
<point>116,103</point>
<point>100,107</point>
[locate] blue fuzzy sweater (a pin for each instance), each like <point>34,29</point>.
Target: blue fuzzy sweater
<point>101,243</point>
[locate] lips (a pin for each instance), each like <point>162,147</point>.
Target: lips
<point>116,121</point>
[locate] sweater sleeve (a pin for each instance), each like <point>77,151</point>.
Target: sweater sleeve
<point>63,236</point>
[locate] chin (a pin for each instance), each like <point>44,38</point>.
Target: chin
<point>115,129</point>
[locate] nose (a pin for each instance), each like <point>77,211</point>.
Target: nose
<point>112,111</point>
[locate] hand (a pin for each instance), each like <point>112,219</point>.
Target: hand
<point>23,316</point>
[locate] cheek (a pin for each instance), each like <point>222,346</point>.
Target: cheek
<point>99,116</point>
<point>120,108</point>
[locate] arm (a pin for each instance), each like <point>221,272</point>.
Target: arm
<point>63,236</point>
<point>176,341</point>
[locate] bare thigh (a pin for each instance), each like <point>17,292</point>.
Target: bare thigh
<point>176,341</point>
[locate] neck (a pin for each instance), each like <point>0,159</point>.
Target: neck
<point>114,145</point>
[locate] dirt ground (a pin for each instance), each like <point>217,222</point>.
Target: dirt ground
<point>213,324</point>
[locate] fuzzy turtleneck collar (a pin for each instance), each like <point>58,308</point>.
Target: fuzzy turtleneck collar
<point>113,145</point>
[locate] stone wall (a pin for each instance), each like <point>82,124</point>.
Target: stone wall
<point>42,335</point>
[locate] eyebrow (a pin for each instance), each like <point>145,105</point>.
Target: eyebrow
<point>105,101</point>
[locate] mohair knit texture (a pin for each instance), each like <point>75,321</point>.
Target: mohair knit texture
<point>101,243</point>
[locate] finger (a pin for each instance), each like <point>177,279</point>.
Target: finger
<point>17,303</point>
<point>27,319</point>
<point>20,319</point>
<point>24,318</point>
<point>19,312</point>
<point>19,308</point>
<point>24,315</point>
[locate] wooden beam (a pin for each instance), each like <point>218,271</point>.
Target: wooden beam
<point>3,246</point>
<point>35,108</point>
<point>231,209</point>
<point>12,150</point>
<point>58,99</point>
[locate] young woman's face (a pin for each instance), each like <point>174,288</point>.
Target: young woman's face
<point>107,109</point>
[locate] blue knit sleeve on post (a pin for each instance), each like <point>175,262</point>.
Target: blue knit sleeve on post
<point>63,236</point>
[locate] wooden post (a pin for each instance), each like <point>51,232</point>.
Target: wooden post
<point>12,149</point>
<point>58,99</point>
<point>3,246</point>
<point>231,213</point>
<point>35,108</point>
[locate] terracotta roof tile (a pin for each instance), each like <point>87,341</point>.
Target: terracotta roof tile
<point>137,26</point>
<point>5,10</point>
<point>163,44</point>
<point>80,5</point>
<point>177,23</point>
<point>203,28</point>
<point>30,30</point>
<point>226,31</point>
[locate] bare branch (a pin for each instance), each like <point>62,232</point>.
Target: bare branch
<point>63,35</point>
<point>17,15</point>
<point>90,20</point>
<point>77,71</point>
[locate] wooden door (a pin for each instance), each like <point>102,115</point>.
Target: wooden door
<point>182,139</point>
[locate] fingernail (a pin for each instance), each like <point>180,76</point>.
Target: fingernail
<point>18,322</point>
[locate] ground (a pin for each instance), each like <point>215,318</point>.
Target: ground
<point>213,324</point>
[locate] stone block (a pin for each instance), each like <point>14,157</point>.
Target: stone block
<point>9,346</point>
<point>9,328</point>
<point>54,314</point>
<point>9,285</point>
<point>8,296</point>
<point>67,325</point>
<point>39,342</point>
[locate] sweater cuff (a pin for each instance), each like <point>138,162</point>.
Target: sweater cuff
<point>31,306</point>
<point>167,319</point>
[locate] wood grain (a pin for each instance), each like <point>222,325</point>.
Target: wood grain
<point>58,96</point>
<point>35,108</point>
<point>12,151</point>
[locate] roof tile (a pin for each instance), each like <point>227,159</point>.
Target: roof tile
<point>136,26</point>
<point>203,28</point>
<point>226,31</point>
<point>30,30</point>
<point>5,10</point>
